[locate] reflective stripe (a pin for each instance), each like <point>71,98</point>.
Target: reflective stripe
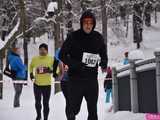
<point>56,82</point>
<point>108,78</point>
<point>20,81</point>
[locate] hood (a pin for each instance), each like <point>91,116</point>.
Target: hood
<point>88,13</point>
<point>12,53</point>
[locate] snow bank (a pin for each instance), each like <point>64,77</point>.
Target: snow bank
<point>157,50</point>
<point>136,55</point>
<point>57,104</point>
<point>125,115</point>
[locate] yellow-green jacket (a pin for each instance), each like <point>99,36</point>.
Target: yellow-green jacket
<point>39,66</point>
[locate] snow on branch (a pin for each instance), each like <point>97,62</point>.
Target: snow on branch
<point>12,35</point>
<point>52,7</point>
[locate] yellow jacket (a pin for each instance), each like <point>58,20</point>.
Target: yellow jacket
<point>39,67</point>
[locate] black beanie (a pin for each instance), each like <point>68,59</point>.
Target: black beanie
<point>43,45</point>
<point>88,13</point>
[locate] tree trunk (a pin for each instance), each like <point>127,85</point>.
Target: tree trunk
<point>57,39</point>
<point>44,4</point>
<point>155,14</point>
<point>69,16</point>
<point>104,21</point>
<point>1,76</point>
<point>127,26</point>
<point>24,28</point>
<point>83,6</point>
<point>25,47</point>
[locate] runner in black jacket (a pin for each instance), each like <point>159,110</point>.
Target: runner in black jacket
<point>81,52</point>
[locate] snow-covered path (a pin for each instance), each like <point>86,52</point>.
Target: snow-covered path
<point>57,106</point>
<point>27,110</point>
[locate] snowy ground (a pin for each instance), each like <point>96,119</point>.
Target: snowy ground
<point>27,110</point>
<point>57,106</point>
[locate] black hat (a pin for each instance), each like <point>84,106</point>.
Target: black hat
<point>86,14</point>
<point>43,45</point>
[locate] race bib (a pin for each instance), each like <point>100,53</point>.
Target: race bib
<point>42,70</point>
<point>90,59</point>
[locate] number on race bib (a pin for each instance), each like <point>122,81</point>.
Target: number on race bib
<point>90,59</point>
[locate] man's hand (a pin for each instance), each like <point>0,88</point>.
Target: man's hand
<point>55,75</point>
<point>66,67</point>
<point>31,76</point>
<point>104,70</point>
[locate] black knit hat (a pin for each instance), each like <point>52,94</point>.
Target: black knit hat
<point>86,14</point>
<point>43,45</point>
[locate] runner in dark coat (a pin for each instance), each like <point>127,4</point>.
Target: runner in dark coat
<point>81,52</point>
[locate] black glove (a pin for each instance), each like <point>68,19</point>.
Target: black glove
<point>48,70</point>
<point>31,76</point>
<point>55,75</point>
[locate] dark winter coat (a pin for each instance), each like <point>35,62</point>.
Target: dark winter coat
<point>78,43</point>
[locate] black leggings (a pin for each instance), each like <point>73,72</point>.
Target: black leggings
<point>79,89</point>
<point>39,92</point>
